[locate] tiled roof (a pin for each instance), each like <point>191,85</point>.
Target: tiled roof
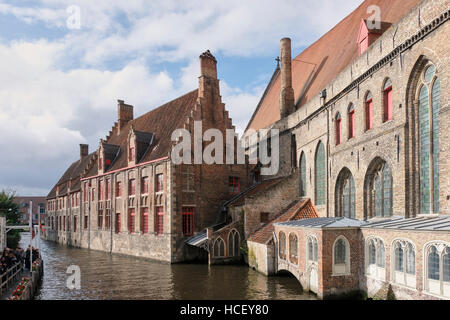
<point>239,199</point>
<point>320,63</point>
<point>154,127</point>
<point>441,223</point>
<point>71,175</point>
<point>301,209</point>
<point>324,223</point>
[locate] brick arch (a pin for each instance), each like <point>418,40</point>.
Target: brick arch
<point>412,197</point>
<point>376,161</point>
<point>344,173</point>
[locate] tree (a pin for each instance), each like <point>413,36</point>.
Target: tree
<point>10,210</point>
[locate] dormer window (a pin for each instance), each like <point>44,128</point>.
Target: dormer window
<point>369,32</point>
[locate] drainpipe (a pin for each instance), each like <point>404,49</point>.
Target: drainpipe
<point>89,216</point>
<point>111,215</point>
<point>328,161</point>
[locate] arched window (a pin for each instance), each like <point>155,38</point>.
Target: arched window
<point>375,258</point>
<point>341,257</point>
<point>345,194</point>
<point>429,140</point>
<point>282,246</point>
<point>378,190</point>
<point>219,248</point>
<point>233,244</point>
<point>293,248</point>
<point>338,122</point>
<point>387,96</point>
<point>369,111</point>
<point>320,175</point>
<point>351,121</point>
<point>312,249</point>
<point>438,269</point>
<point>404,266</point>
<point>302,175</point>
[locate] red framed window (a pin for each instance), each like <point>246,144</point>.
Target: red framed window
<point>159,182</point>
<point>118,224</point>
<point>131,154</point>
<point>131,220</point>
<point>108,189</point>
<point>144,220</point>
<point>369,112</point>
<point>144,185</point>
<point>108,218</point>
<point>100,219</point>
<point>233,185</point>
<point>101,190</point>
<point>338,129</point>
<point>64,223</point>
<point>86,221</point>
<point>68,223</point>
<point>388,107</point>
<point>159,220</point>
<point>118,189</point>
<point>188,221</point>
<point>351,121</point>
<point>131,187</point>
<point>75,224</point>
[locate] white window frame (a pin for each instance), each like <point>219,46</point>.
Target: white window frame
<point>436,288</point>
<point>374,270</point>
<point>402,277</point>
<point>341,269</point>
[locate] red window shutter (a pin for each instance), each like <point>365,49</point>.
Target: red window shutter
<point>144,221</point>
<point>369,114</point>
<point>388,108</point>
<point>338,131</point>
<point>351,124</point>
<point>131,221</point>
<point>159,220</point>
<point>188,221</point>
<point>233,185</point>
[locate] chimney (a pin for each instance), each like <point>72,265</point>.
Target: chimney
<point>125,114</point>
<point>208,65</point>
<point>287,92</point>
<point>84,150</point>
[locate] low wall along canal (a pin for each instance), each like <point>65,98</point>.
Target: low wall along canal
<point>106,276</point>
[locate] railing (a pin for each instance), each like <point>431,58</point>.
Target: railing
<point>10,276</point>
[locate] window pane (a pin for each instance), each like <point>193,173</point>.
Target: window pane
<point>310,250</point>
<point>398,258</point>
<point>320,175</point>
<point>433,264</point>
<point>315,250</point>
<point>387,207</point>
<point>436,100</point>
<point>410,260</point>
<point>381,255</point>
<point>339,252</point>
<point>424,144</point>
<point>429,73</point>
<point>372,253</point>
<point>378,197</point>
<point>302,175</point>
<point>446,266</point>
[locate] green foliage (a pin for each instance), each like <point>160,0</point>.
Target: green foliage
<point>10,210</point>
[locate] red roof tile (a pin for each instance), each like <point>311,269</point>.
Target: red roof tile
<point>325,59</point>
<point>298,210</point>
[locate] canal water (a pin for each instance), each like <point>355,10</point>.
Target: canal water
<point>113,276</point>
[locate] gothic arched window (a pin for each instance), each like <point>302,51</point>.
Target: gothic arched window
<point>345,194</point>
<point>282,246</point>
<point>378,193</point>
<point>388,104</point>
<point>233,243</point>
<point>293,248</point>
<point>341,256</point>
<point>320,175</point>
<point>404,266</point>
<point>219,248</point>
<point>351,121</point>
<point>302,175</point>
<point>338,122</point>
<point>429,107</point>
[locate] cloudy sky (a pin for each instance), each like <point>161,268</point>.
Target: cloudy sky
<point>60,76</point>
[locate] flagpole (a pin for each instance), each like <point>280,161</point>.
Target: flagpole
<point>31,230</point>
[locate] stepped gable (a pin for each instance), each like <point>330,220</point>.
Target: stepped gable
<point>321,62</point>
<point>298,210</point>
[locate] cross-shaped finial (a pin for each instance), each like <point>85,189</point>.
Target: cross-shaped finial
<point>278,61</point>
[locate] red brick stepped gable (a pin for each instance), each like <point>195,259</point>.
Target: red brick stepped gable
<point>301,209</point>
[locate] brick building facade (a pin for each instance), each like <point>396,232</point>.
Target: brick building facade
<point>366,133</point>
<point>130,197</point>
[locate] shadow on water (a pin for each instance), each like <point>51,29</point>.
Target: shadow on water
<point>112,276</point>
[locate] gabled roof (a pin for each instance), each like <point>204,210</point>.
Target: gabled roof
<point>320,63</point>
<point>156,125</point>
<point>72,176</point>
<point>253,190</point>
<point>301,209</point>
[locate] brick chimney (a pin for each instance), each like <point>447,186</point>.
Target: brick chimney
<point>125,114</point>
<point>208,87</point>
<point>84,150</point>
<point>287,92</point>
